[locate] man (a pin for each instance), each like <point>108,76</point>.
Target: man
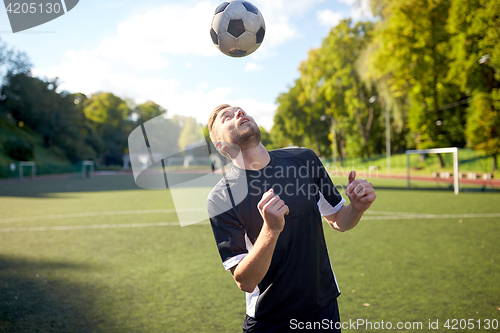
<point>271,238</point>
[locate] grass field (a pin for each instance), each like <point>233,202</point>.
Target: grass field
<point>100,255</point>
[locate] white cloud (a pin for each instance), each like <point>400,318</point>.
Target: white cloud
<point>279,31</point>
<point>263,113</point>
<point>328,17</point>
<point>84,72</point>
<point>144,40</point>
<point>287,8</point>
<point>360,9</point>
<point>251,66</point>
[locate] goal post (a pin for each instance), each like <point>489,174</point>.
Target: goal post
<point>86,172</point>
<point>452,150</point>
<point>28,164</point>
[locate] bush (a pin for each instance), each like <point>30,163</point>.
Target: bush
<point>19,149</point>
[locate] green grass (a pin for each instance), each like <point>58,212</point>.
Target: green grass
<point>170,279</point>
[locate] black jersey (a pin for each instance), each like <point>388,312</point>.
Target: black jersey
<point>300,279</point>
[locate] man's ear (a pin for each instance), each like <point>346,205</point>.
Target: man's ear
<point>220,146</point>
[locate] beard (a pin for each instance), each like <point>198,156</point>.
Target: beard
<point>247,137</point>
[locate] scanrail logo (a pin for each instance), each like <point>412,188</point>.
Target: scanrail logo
<point>25,15</point>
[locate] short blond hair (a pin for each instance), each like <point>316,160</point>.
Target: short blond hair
<point>211,120</point>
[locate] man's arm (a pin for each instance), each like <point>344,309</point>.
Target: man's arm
<point>361,194</point>
<point>252,269</point>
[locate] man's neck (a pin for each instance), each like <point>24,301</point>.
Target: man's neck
<point>255,158</point>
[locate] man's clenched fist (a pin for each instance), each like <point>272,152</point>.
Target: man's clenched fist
<point>273,210</point>
<point>360,192</point>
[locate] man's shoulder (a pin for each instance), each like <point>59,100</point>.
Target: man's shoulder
<point>220,192</point>
<point>220,189</point>
<point>302,153</point>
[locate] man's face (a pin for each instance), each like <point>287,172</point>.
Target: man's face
<point>235,126</point>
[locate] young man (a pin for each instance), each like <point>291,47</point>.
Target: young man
<point>266,218</point>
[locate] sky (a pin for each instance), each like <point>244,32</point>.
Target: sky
<point>162,51</point>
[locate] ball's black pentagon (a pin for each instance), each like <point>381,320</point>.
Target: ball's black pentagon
<point>250,7</point>
<point>221,7</point>
<point>260,35</point>
<point>214,36</point>
<point>236,27</point>
<point>237,53</point>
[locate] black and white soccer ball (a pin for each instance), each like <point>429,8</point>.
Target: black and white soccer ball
<point>237,28</point>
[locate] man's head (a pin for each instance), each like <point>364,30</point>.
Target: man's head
<point>230,124</point>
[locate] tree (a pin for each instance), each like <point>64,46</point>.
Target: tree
<point>334,88</point>
<point>483,123</point>
<point>13,62</point>
<point>148,110</point>
<point>107,115</point>
<point>475,60</point>
<point>265,137</point>
<point>37,104</point>
<point>413,53</point>
<point>190,131</point>
<point>290,119</point>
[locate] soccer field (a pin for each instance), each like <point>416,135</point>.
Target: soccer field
<point>101,255</point>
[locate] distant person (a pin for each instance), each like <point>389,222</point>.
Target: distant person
<point>272,241</point>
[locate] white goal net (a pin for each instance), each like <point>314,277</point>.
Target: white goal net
<point>452,150</point>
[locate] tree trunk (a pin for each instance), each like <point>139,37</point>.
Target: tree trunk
<point>338,143</point>
<point>441,161</point>
<point>495,164</point>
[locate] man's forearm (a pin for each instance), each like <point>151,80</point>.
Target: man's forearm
<point>347,218</point>
<point>252,269</point>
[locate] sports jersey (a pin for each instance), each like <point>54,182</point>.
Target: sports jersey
<point>300,279</point>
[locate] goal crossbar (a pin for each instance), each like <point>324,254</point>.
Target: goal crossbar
<point>453,150</point>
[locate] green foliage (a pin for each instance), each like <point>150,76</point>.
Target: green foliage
<point>475,55</point>
<point>148,110</point>
<point>474,26</point>
<point>330,97</point>
<point>107,122</point>
<point>206,133</point>
<point>190,131</point>
<point>412,57</point>
<point>19,149</point>
<point>106,108</point>
<point>265,138</point>
<point>290,119</point>
<point>483,123</point>
<point>55,116</point>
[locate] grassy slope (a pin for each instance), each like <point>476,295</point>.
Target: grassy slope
<point>170,279</point>
<point>43,156</point>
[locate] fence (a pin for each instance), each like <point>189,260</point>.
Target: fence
<point>468,160</point>
<point>41,169</point>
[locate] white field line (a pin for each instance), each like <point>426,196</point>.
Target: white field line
<point>380,212</point>
<point>93,214</point>
<point>133,212</point>
<point>98,226</point>
<point>429,216</point>
<point>165,224</point>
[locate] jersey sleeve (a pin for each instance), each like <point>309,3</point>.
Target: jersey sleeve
<point>330,200</point>
<point>230,237</point>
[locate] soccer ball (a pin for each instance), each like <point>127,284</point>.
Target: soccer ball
<point>237,28</point>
